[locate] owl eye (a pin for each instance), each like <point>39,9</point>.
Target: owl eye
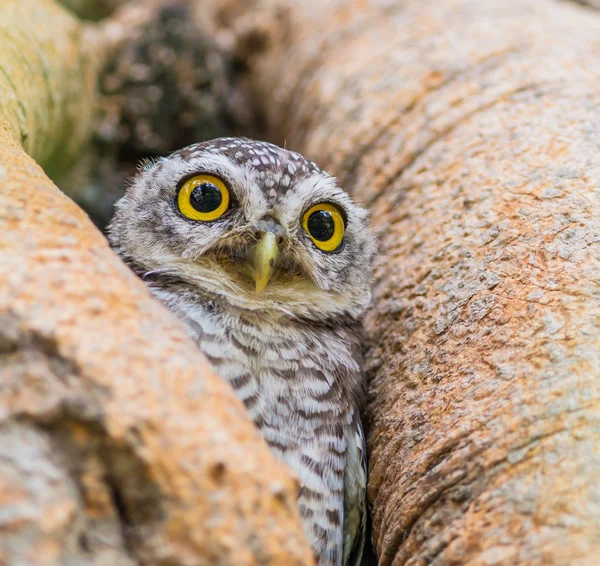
<point>203,198</point>
<point>325,226</point>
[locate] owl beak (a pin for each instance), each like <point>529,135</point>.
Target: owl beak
<point>264,260</point>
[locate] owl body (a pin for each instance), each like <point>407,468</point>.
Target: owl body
<point>276,312</point>
<point>299,384</point>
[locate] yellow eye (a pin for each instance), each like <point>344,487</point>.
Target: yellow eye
<point>203,198</point>
<point>325,226</point>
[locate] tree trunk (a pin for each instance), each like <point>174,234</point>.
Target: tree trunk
<point>472,130</point>
<point>118,445</point>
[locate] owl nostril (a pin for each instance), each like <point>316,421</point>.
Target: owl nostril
<point>271,225</point>
<point>258,234</point>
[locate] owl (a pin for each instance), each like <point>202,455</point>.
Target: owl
<point>266,260</point>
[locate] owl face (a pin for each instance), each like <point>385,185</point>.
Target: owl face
<point>251,224</point>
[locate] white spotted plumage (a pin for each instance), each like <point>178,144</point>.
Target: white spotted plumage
<point>292,354</point>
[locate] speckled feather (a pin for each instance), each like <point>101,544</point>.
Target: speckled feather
<point>293,354</point>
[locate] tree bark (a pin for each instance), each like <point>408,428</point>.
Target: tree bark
<point>471,130</point>
<point>118,445</point>
<point>46,83</point>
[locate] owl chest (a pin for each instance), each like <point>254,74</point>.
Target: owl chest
<point>279,374</point>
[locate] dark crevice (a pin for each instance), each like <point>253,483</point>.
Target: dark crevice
<point>125,523</point>
<point>84,543</point>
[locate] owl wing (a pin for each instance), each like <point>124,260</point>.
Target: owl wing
<point>355,484</point>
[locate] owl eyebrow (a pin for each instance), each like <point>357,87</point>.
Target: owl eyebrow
<point>342,208</point>
<point>317,184</point>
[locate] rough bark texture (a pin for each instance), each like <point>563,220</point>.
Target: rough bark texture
<point>118,445</point>
<point>471,129</point>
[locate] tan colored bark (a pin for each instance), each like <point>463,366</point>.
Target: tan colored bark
<point>118,445</point>
<point>46,81</point>
<point>471,129</point>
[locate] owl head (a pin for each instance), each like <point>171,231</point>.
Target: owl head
<point>249,225</point>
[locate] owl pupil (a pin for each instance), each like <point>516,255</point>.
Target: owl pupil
<point>321,226</point>
<point>206,197</point>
